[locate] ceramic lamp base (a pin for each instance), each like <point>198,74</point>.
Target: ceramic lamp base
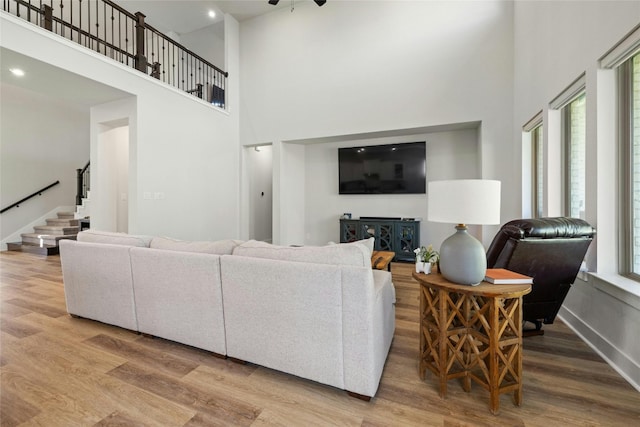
<point>462,258</point>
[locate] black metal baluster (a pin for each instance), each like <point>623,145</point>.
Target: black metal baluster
<point>104,28</point>
<point>120,49</point>
<point>113,51</point>
<point>71,20</point>
<point>164,59</point>
<point>90,40</point>
<point>126,39</point>
<point>190,69</point>
<point>97,29</point>
<point>173,65</point>
<point>80,22</point>
<point>61,19</point>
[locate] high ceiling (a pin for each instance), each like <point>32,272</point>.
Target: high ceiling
<point>184,16</point>
<point>40,78</point>
<point>179,16</point>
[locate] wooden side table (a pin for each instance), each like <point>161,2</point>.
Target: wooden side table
<point>381,260</point>
<point>473,333</point>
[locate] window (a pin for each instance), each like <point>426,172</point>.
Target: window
<point>629,86</point>
<point>537,169</point>
<point>574,145</point>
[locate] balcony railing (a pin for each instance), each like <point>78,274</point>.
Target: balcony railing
<point>105,27</point>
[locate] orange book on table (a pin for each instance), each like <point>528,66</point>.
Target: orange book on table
<point>502,276</point>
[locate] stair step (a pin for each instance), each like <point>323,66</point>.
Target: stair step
<point>62,222</point>
<point>65,215</point>
<point>34,249</point>
<point>56,230</point>
<point>44,239</point>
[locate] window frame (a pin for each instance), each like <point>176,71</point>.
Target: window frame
<point>625,162</point>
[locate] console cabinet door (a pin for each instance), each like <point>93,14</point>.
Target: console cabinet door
<point>407,238</point>
<point>382,232</point>
<point>349,230</point>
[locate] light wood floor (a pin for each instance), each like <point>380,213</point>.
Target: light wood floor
<point>61,371</point>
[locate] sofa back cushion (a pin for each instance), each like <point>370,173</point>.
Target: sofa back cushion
<point>367,243</point>
<point>124,239</point>
<point>219,247</point>
<point>339,254</point>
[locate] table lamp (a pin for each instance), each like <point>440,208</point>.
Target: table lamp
<point>463,259</point>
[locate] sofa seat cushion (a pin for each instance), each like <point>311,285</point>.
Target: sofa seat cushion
<point>124,239</point>
<point>219,247</point>
<point>341,254</point>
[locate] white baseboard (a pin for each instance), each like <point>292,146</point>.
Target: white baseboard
<point>619,361</point>
<point>16,237</point>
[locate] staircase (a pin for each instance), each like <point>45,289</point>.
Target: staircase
<point>44,240</point>
<point>83,210</point>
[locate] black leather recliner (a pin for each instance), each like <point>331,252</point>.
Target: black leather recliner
<point>551,251</point>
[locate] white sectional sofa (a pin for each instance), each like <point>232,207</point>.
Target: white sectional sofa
<point>320,313</point>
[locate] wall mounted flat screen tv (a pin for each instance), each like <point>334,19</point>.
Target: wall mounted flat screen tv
<point>383,169</point>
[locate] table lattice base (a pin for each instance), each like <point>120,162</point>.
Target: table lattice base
<point>473,337</point>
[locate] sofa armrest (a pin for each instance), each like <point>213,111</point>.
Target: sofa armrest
<point>97,282</point>
<point>368,327</point>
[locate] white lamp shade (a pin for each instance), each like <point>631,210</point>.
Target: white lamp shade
<point>464,201</point>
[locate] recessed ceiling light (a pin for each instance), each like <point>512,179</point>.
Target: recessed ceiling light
<point>212,14</point>
<point>17,72</point>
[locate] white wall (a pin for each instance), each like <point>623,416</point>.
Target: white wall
<point>42,140</point>
<point>289,194</point>
<point>449,155</point>
<point>208,43</point>
<point>380,66</point>
<point>185,150</point>
<point>555,42</point>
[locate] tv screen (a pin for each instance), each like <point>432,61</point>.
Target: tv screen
<point>383,169</point>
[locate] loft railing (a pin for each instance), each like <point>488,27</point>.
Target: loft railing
<point>37,193</point>
<point>83,182</point>
<point>105,27</point>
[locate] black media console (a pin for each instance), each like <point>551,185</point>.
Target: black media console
<point>399,235</point>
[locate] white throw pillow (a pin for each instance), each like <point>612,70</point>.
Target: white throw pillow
<point>367,243</point>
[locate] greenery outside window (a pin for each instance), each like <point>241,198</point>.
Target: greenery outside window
<point>574,143</point>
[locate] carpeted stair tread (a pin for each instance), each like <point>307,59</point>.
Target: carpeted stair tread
<point>45,239</point>
<point>55,229</point>
<point>62,222</point>
<point>65,215</point>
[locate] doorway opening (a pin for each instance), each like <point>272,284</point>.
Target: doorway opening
<point>260,167</point>
<point>113,162</point>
